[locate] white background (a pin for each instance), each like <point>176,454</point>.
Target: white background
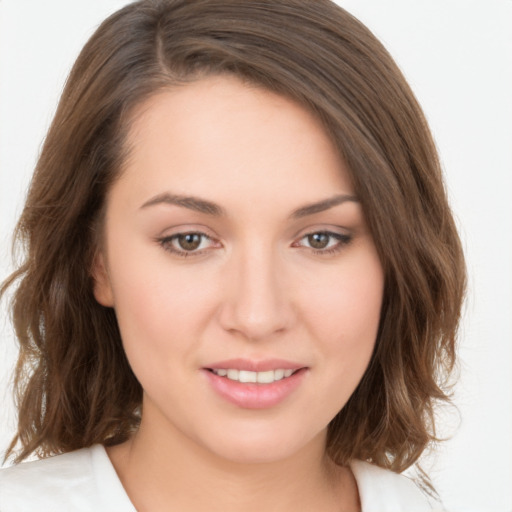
<point>457,56</point>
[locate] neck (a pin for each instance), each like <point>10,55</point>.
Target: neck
<point>176,473</point>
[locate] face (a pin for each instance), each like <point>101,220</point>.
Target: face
<point>244,279</point>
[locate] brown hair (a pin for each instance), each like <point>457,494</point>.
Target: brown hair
<point>74,385</point>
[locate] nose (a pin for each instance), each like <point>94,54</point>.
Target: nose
<point>256,300</point>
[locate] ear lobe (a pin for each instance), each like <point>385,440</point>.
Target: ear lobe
<point>101,282</point>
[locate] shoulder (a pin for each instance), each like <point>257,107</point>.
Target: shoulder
<point>83,480</point>
<point>381,490</point>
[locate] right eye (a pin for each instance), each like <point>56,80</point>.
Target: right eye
<point>324,243</point>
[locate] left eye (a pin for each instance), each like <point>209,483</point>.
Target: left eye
<point>186,243</point>
<point>325,241</point>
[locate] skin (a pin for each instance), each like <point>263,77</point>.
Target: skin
<point>256,288</point>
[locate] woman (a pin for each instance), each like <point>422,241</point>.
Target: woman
<point>243,280</point>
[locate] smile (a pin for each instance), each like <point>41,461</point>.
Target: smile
<point>251,385</point>
<point>246,376</point>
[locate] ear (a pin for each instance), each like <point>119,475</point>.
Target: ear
<point>102,288</point>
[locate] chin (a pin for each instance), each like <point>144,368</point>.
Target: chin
<point>262,447</point>
<point>265,454</point>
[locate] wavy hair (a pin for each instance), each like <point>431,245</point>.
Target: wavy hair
<point>74,386</point>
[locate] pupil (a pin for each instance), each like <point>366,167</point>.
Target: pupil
<point>318,240</point>
<point>190,241</point>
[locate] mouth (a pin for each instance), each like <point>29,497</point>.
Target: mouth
<point>247,376</point>
<point>252,384</point>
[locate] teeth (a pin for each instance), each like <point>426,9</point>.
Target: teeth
<point>232,374</point>
<point>265,377</point>
<point>278,374</point>
<point>246,376</point>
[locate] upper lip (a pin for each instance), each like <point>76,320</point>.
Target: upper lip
<point>255,366</point>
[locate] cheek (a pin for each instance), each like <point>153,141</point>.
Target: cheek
<point>350,302</point>
<point>344,313</point>
<point>341,308</point>
<point>160,310</point>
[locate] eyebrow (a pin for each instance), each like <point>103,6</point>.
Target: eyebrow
<point>192,203</point>
<point>323,205</point>
<point>210,208</point>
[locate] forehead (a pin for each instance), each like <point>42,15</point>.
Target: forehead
<point>221,137</point>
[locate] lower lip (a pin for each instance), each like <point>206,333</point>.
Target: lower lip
<point>255,396</point>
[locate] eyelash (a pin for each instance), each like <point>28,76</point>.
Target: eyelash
<point>166,243</point>
<point>343,241</point>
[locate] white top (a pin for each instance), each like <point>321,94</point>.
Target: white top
<point>86,481</point>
